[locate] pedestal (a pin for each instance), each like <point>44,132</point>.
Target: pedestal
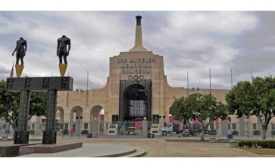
<point>62,69</point>
<point>49,137</point>
<point>21,133</point>
<point>27,84</point>
<point>21,137</point>
<point>19,69</point>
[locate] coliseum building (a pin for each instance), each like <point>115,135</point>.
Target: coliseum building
<point>136,89</point>
<point>136,96</point>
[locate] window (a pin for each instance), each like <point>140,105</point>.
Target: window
<point>254,126</point>
<point>234,126</point>
<point>4,126</point>
<point>33,126</point>
<point>273,126</point>
<point>61,126</point>
<point>85,126</point>
<point>66,126</point>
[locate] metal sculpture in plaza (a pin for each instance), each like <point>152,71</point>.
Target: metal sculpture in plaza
<point>26,85</point>
<point>62,51</point>
<point>20,49</point>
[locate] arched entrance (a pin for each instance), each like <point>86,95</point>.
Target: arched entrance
<point>97,120</point>
<point>136,102</point>
<point>59,118</point>
<point>76,118</point>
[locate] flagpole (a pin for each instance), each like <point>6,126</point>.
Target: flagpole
<point>87,89</point>
<point>231,74</point>
<point>187,77</point>
<point>210,80</point>
<point>68,93</point>
<point>11,73</point>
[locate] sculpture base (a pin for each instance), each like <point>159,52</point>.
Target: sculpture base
<point>21,137</point>
<point>19,69</point>
<point>62,69</point>
<point>49,137</point>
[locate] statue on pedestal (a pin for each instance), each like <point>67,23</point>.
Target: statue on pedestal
<point>20,49</point>
<point>63,48</point>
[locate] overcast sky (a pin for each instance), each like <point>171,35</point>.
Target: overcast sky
<point>188,41</point>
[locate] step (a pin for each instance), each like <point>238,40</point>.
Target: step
<point>48,148</point>
<point>138,153</point>
<point>120,154</point>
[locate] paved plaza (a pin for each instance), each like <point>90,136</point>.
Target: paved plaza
<point>158,147</point>
<point>154,147</point>
<point>162,148</point>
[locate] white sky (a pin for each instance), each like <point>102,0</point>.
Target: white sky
<point>188,41</point>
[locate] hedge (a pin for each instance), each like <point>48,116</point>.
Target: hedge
<point>256,144</point>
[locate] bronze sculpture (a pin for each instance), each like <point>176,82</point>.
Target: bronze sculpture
<point>63,48</point>
<point>20,49</point>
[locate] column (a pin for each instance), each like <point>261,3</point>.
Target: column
<point>144,128</point>
<point>49,135</point>
<point>21,133</point>
<point>94,126</point>
<point>242,126</point>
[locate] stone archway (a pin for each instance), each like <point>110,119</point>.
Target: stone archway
<point>136,102</point>
<point>97,120</point>
<point>76,118</point>
<point>59,117</point>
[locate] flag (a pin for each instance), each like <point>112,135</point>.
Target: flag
<point>11,74</point>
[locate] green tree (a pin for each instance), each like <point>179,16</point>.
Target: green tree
<point>207,110</point>
<point>9,104</point>
<point>178,110</point>
<point>204,108</point>
<point>254,98</point>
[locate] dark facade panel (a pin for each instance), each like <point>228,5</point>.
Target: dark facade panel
<point>40,83</point>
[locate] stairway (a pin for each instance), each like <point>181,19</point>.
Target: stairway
<point>94,150</point>
<point>139,152</point>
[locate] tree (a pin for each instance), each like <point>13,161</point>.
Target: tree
<point>178,109</point>
<point>207,110</point>
<point>9,104</point>
<point>204,108</point>
<point>254,98</point>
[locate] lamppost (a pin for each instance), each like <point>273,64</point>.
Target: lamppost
<point>78,120</point>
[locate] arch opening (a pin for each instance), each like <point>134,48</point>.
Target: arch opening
<point>136,102</point>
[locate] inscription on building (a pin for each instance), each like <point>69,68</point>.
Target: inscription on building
<point>135,65</point>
